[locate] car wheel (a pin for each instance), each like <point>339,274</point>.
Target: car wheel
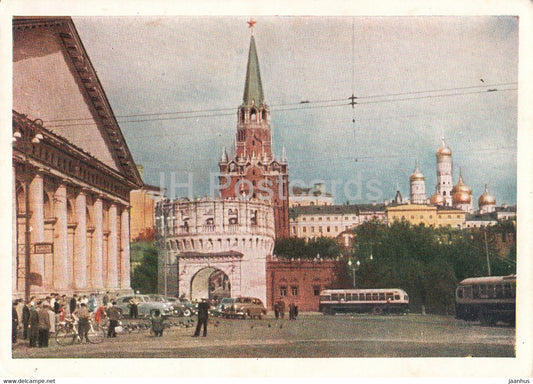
<point>187,312</point>
<point>377,310</point>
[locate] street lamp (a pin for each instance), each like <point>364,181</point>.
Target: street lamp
<point>354,267</point>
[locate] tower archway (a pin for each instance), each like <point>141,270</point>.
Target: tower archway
<point>211,283</point>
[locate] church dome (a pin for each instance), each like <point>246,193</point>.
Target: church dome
<point>417,175</point>
<point>444,150</point>
<point>486,199</point>
<point>437,199</point>
<point>461,193</point>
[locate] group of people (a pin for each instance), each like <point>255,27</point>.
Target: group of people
<point>38,317</point>
<point>279,310</point>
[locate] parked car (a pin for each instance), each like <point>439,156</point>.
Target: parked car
<point>222,308</point>
<point>181,307</point>
<point>247,307</point>
<point>146,306</point>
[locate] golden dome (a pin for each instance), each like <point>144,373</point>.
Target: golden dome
<point>437,199</point>
<point>417,175</point>
<point>462,198</point>
<point>444,150</point>
<point>461,187</point>
<point>486,199</point>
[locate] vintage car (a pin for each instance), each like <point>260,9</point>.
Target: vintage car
<point>182,307</point>
<point>222,308</point>
<point>145,307</point>
<point>246,307</point>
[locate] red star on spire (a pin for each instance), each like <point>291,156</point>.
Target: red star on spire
<point>251,23</point>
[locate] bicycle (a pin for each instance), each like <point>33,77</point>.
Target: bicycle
<point>67,333</point>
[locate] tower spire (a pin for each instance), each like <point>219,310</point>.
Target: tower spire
<point>253,88</point>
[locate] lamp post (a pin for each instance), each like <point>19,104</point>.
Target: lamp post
<point>26,144</point>
<point>354,267</point>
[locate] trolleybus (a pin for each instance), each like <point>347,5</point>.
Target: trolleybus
<point>486,299</point>
<point>376,301</point>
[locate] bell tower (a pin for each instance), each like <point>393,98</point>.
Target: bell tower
<point>253,172</point>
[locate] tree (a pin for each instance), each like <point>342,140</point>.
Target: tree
<point>145,276</point>
<point>296,248</point>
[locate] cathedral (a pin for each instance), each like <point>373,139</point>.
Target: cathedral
<point>446,194</point>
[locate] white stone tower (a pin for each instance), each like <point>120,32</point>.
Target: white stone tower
<point>417,182</point>
<point>445,173</point>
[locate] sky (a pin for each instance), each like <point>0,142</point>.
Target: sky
<point>175,84</point>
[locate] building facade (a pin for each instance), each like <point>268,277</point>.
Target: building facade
<point>309,222</point>
<point>71,183</point>
<point>253,171</point>
<point>445,173</point>
<point>417,183</point>
<point>215,248</point>
<point>300,281</point>
<point>427,214</point>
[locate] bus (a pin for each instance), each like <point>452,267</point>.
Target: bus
<point>486,299</point>
<point>375,301</point>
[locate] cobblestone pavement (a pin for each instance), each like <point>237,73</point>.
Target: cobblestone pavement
<point>311,335</point>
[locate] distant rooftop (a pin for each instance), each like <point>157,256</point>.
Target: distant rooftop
<point>337,209</point>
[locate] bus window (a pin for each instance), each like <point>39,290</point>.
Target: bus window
<point>475,291</point>
<point>390,296</point>
<point>498,291</point>
<point>374,296</point>
<point>348,297</point>
<point>341,296</point>
<point>368,297</point>
<point>396,297</point>
<point>324,298</point>
<point>361,297</point>
<point>483,291</point>
<point>334,297</point>
<point>406,297</point>
<point>460,293</point>
<point>467,292</point>
<point>382,297</point>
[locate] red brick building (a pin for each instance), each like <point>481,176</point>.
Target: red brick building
<point>254,172</point>
<point>300,281</point>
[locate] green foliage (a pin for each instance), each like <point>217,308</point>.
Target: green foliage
<point>427,262</point>
<point>293,248</point>
<point>144,277</point>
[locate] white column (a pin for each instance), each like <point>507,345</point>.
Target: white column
<point>80,241</point>
<point>60,239</point>
<point>112,246</point>
<point>37,227</point>
<point>125,246</point>
<point>98,245</point>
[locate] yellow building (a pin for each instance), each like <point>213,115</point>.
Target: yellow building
<point>426,214</point>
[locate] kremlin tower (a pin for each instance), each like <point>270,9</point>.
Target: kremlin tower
<point>253,172</point>
<point>445,173</point>
<point>417,183</point>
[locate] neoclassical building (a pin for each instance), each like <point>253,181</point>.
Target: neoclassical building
<point>215,247</point>
<point>72,169</point>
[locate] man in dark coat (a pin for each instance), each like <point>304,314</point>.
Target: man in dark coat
<point>203,316</point>
<point>73,304</point>
<point>34,326</point>
<point>114,316</point>
<point>44,325</point>
<point>14,323</point>
<point>25,320</point>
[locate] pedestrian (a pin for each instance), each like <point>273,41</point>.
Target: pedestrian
<point>92,303</point>
<point>33,325</point>
<point>157,323</point>
<point>276,310</point>
<point>52,318</point>
<point>114,316</point>
<point>44,325</point>
<point>203,316</point>
<point>291,311</point>
<point>100,314</point>
<point>105,299</point>
<point>14,323</point>
<point>134,309</point>
<point>57,305</point>
<point>73,304</point>
<point>281,305</point>
<point>25,319</point>
<point>82,313</point>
